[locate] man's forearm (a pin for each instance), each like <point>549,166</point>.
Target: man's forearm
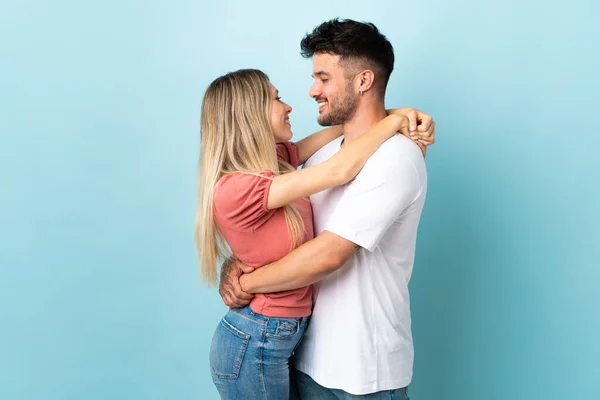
<point>304,266</point>
<point>282,275</point>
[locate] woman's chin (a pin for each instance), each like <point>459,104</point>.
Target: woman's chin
<point>284,138</point>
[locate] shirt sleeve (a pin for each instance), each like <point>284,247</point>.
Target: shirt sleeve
<point>373,201</point>
<point>241,200</point>
<point>288,152</point>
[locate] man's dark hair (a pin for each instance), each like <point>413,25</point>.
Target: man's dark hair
<point>359,44</point>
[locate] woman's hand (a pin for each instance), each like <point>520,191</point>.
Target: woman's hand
<point>421,125</point>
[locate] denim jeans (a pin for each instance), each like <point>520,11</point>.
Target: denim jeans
<point>250,353</point>
<point>305,388</point>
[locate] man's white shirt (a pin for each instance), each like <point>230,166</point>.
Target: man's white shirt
<point>359,336</point>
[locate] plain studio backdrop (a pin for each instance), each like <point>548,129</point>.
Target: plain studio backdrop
<point>100,295</point>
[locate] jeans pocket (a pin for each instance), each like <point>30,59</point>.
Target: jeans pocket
<point>282,328</point>
<point>227,350</point>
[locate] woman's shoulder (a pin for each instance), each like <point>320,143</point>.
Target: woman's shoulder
<point>242,180</point>
<point>241,198</point>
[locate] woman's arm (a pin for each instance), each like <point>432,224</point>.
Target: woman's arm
<point>417,119</point>
<point>310,144</point>
<point>339,169</point>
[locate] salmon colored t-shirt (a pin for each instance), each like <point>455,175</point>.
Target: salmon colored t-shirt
<point>258,236</point>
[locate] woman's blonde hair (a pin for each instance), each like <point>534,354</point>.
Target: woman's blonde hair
<point>235,135</point>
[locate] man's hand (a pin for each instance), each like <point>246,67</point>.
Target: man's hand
<point>229,285</point>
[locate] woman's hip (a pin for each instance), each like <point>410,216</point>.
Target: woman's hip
<point>243,336</point>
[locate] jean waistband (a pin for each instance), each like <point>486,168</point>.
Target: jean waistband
<point>248,313</point>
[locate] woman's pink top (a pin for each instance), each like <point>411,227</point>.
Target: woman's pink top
<point>258,236</point>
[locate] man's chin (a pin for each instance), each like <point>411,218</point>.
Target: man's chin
<point>324,121</point>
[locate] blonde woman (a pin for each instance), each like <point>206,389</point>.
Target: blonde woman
<point>253,205</point>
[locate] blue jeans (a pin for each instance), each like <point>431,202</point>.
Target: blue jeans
<point>305,388</point>
<point>250,353</point>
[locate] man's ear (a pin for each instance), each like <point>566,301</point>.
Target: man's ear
<point>365,80</point>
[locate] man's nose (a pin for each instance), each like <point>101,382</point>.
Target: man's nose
<point>314,91</point>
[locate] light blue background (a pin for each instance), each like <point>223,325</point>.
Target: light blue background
<point>100,295</point>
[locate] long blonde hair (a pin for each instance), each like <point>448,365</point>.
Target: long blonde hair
<point>235,135</point>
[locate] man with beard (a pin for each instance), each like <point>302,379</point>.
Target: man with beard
<point>358,343</point>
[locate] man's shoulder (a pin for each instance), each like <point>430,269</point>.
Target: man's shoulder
<point>396,170</point>
<point>399,150</point>
<point>397,155</point>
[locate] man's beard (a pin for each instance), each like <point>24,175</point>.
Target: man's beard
<point>341,110</point>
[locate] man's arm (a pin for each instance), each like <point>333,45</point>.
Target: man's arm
<point>304,266</point>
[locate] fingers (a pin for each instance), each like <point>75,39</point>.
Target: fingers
<point>229,286</point>
<point>245,268</point>
<point>238,293</point>
<point>426,137</point>
<point>235,298</point>
<point>412,121</point>
<point>227,298</point>
<point>237,303</point>
<point>421,127</point>
<point>425,121</point>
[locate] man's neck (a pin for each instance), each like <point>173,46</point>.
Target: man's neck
<point>364,118</point>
